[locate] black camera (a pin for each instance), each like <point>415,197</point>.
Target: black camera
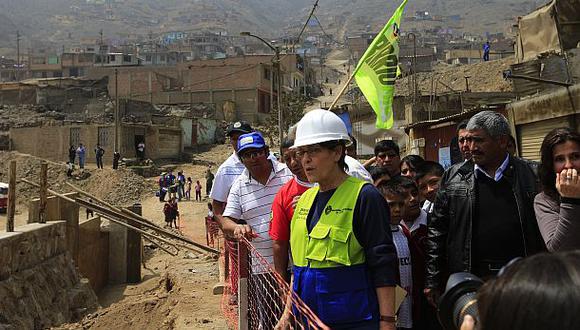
<point>458,300</point>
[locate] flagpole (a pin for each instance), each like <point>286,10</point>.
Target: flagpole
<point>342,90</point>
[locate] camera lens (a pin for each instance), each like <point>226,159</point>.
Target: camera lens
<point>458,300</point>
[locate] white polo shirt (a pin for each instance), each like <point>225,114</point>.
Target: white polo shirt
<point>225,176</point>
<point>404,315</point>
<point>251,201</point>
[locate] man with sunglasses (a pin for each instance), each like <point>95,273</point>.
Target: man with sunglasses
<point>248,207</point>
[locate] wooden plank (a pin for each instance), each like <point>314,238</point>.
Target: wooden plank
<point>43,192</point>
<point>11,197</point>
<point>144,222</point>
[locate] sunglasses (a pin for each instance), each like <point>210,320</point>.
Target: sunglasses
<point>253,154</point>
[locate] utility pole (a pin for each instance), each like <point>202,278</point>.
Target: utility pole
<point>279,92</point>
<point>18,55</point>
<point>101,48</point>
<point>117,110</point>
<point>278,81</point>
<point>305,71</point>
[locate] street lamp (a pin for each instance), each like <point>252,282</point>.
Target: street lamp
<point>276,62</point>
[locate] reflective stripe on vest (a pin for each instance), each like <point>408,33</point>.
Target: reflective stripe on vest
<point>331,243</point>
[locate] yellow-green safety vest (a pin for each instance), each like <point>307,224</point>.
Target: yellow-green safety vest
<point>332,242</point>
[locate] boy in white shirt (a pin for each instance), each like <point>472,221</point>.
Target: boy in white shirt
<point>396,197</point>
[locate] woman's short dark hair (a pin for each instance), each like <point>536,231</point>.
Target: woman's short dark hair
<point>547,173</point>
<point>412,161</point>
<point>537,293</point>
<point>331,145</point>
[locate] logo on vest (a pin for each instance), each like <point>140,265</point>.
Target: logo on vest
<point>329,210</point>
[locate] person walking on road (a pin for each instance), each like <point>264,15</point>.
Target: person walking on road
<point>81,152</point>
<point>341,245</point>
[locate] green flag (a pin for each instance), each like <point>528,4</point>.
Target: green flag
<point>376,71</point>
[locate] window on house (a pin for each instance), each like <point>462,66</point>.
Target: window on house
<point>147,58</point>
<point>126,58</point>
<point>267,73</point>
<point>111,58</point>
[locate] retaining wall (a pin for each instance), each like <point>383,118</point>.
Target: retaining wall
<point>39,285</point>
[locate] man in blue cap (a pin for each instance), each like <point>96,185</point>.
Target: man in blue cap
<point>248,210</point>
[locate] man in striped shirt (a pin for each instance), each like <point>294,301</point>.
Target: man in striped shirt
<point>248,210</point>
<point>251,196</point>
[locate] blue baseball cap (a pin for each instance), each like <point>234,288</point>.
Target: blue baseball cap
<point>251,140</point>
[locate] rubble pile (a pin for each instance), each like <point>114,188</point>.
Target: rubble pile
<point>482,77</point>
<point>27,116</point>
<point>119,187</point>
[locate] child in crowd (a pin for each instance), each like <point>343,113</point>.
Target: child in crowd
<point>428,178</point>
<point>198,191</point>
<point>171,212</point>
<point>379,175</point>
<point>396,197</point>
<point>188,189</point>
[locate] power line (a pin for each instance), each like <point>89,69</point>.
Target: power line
<point>326,34</point>
<point>305,24</point>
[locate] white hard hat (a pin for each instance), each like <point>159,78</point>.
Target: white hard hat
<point>319,126</point>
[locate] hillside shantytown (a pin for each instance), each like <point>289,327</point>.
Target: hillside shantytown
<point>314,164</point>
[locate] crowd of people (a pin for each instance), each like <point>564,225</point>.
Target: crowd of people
<point>175,188</point>
<point>180,187</point>
<point>344,234</point>
<point>77,156</point>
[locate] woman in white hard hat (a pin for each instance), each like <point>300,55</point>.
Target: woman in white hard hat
<point>343,253</point>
